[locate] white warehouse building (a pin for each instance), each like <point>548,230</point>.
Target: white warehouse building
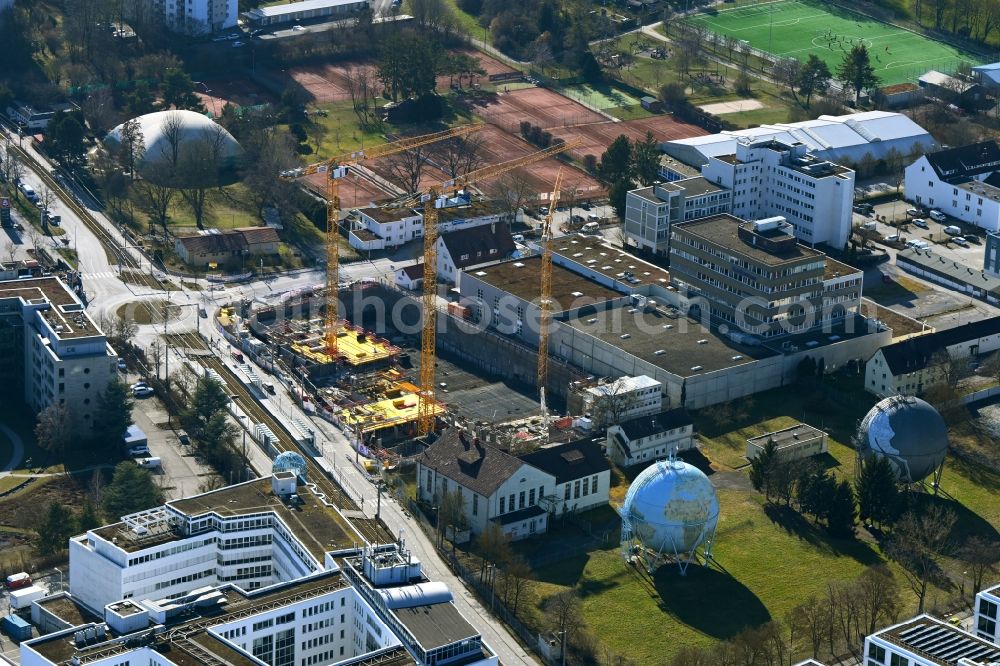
<point>843,139</point>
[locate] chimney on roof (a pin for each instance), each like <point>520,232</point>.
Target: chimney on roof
<point>462,438</point>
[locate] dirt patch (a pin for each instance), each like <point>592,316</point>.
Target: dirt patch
<point>735,106</point>
<point>355,191</point>
<point>26,510</point>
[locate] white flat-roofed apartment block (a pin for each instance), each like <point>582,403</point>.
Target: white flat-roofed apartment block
<point>961,182</point>
<point>386,227</point>
<point>843,139</point>
<point>928,641</point>
<point>647,438</point>
<point>260,573</point>
<point>986,622</point>
<point>649,211</point>
<point>52,350</point>
<point>204,540</point>
<point>769,178</point>
<point>196,17</point>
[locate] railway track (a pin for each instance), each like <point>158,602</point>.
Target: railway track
<point>371,531</point>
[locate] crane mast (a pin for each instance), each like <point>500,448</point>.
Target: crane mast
<point>433,201</point>
<point>336,168</point>
<point>545,304</point>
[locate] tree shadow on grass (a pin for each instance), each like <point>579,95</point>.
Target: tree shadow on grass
<point>797,525</point>
<point>978,474</point>
<point>706,599</point>
<point>968,523</point>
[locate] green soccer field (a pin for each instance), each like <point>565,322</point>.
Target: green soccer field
<point>794,29</point>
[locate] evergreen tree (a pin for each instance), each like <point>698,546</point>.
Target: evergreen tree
<point>178,91</point>
<point>762,469</point>
<point>65,139</point>
<point>646,159</point>
<point>209,398</point>
<point>131,489</point>
<point>879,499</point>
<point>88,518</point>
<point>816,492</point>
<point>55,530</point>
<point>814,78</point>
<point>113,415</point>
<point>616,162</point>
<point>617,194</point>
<point>840,520</point>
<point>856,70</point>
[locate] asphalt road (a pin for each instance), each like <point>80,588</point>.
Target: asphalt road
<point>107,293</point>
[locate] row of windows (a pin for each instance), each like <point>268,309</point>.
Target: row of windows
<point>587,485</point>
<point>320,640</point>
<point>186,579</point>
<point>322,657</point>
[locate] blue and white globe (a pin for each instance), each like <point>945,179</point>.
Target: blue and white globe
<point>671,508</point>
<point>290,461</point>
<point>909,433</point>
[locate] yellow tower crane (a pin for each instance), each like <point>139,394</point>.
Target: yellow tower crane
<point>433,200</point>
<point>545,304</point>
<point>337,168</point>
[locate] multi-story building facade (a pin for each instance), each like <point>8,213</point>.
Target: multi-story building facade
<point>986,622</point>
<point>50,349</point>
<point>961,182</point>
<point>196,17</point>
<point>622,399</point>
<point>769,178</point>
<point>263,572</point>
<point>650,211</point>
<point>382,228</point>
<point>756,278</point>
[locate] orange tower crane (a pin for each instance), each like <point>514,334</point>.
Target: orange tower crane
<point>337,168</point>
<point>433,200</point>
<point>545,304</point>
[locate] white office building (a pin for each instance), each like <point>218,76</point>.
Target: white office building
<point>388,227</point>
<point>622,399</point>
<point>770,178</point>
<point>649,211</point>
<point>648,438</point>
<point>51,351</point>
<point>260,573</point>
<point>961,182</point>
<point>928,641</point>
<point>197,17</point>
<point>986,622</point>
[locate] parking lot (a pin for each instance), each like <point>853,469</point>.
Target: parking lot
<point>940,242</point>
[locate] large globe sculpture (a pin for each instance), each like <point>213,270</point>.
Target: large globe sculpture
<point>909,433</point>
<point>670,511</point>
<point>290,461</point>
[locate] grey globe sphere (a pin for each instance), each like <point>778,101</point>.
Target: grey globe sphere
<point>671,507</point>
<point>909,433</point>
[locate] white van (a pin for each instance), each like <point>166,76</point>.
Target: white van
<point>589,228</point>
<point>937,216</point>
<point>953,230</point>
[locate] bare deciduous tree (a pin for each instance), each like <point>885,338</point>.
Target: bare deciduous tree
<point>920,542</point>
<point>981,556</point>
<point>459,155</point>
<point>406,168</point>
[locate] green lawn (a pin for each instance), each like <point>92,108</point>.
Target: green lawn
<point>797,28</point>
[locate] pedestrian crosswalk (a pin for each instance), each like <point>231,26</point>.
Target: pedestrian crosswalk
<point>102,275</point>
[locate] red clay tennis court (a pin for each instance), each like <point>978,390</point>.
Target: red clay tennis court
<point>215,94</point>
<point>538,106</point>
<point>327,83</point>
<point>596,137</point>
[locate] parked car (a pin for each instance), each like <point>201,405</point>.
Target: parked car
<point>143,391</point>
<point>27,190</point>
<point>152,462</point>
<point>121,365</point>
<point>298,28</point>
<point>920,222</point>
<point>952,230</point>
<point>937,216</point>
<point>139,384</point>
<point>183,438</point>
<point>913,212</point>
<point>138,451</point>
<point>894,238</point>
<point>972,239</point>
<point>958,240</point>
<point>518,238</point>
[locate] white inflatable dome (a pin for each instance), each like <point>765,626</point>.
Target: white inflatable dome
<point>170,135</point>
